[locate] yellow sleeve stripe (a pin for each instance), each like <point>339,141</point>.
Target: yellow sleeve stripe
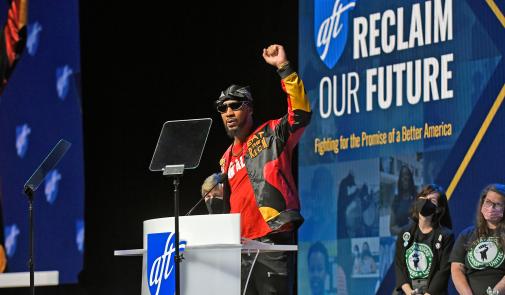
<point>293,86</point>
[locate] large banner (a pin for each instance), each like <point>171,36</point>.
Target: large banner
<point>40,105</point>
<point>404,93</point>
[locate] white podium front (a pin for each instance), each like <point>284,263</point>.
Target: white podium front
<point>211,263</point>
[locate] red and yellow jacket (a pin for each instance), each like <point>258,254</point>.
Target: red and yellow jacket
<point>269,156</point>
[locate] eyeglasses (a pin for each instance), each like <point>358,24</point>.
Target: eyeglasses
<point>489,204</point>
<point>235,106</point>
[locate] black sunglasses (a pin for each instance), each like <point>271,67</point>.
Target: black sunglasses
<point>235,106</point>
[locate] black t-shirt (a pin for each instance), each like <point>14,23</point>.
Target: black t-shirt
<point>419,256</point>
<point>484,260</point>
<point>424,257</point>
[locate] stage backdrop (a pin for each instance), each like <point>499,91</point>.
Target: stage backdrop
<point>404,93</point>
<point>40,105</point>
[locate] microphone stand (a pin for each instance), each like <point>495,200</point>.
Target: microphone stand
<point>29,193</point>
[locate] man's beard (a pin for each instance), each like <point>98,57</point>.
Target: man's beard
<point>232,133</point>
<point>236,131</point>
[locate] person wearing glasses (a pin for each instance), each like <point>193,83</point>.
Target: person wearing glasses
<point>260,183</point>
<point>12,43</point>
<point>423,248</point>
<point>477,259</point>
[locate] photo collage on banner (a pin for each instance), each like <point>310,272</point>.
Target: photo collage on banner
<point>393,86</point>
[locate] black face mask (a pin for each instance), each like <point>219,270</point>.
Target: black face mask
<point>425,207</point>
<point>215,205</point>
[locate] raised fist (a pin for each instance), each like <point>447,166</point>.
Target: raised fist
<point>275,55</point>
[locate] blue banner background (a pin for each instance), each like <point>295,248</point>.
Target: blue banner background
<point>348,198</point>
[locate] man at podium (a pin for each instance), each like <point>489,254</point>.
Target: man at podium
<point>260,184</point>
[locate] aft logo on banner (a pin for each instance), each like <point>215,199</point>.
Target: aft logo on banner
<point>161,263</point>
<point>331,27</point>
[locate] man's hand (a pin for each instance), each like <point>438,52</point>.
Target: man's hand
<point>3,259</point>
<point>275,55</point>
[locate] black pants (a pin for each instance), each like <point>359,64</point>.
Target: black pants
<point>273,272</point>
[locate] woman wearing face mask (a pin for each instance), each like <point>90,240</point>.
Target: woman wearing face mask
<point>422,249</point>
<point>477,260</point>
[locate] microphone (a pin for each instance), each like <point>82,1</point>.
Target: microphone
<point>222,178</point>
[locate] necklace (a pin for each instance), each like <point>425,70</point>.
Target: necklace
<point>236,154</point>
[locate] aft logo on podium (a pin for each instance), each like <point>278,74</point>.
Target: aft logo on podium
<point>161,263</point>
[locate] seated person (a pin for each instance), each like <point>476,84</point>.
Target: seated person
<point>212,191</point>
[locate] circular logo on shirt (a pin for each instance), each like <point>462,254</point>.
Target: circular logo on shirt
<point>418,258</point>
<point>486,253</point>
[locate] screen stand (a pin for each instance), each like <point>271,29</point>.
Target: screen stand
<point>175,172</point>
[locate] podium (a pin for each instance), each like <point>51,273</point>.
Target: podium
<point>211,248</point>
